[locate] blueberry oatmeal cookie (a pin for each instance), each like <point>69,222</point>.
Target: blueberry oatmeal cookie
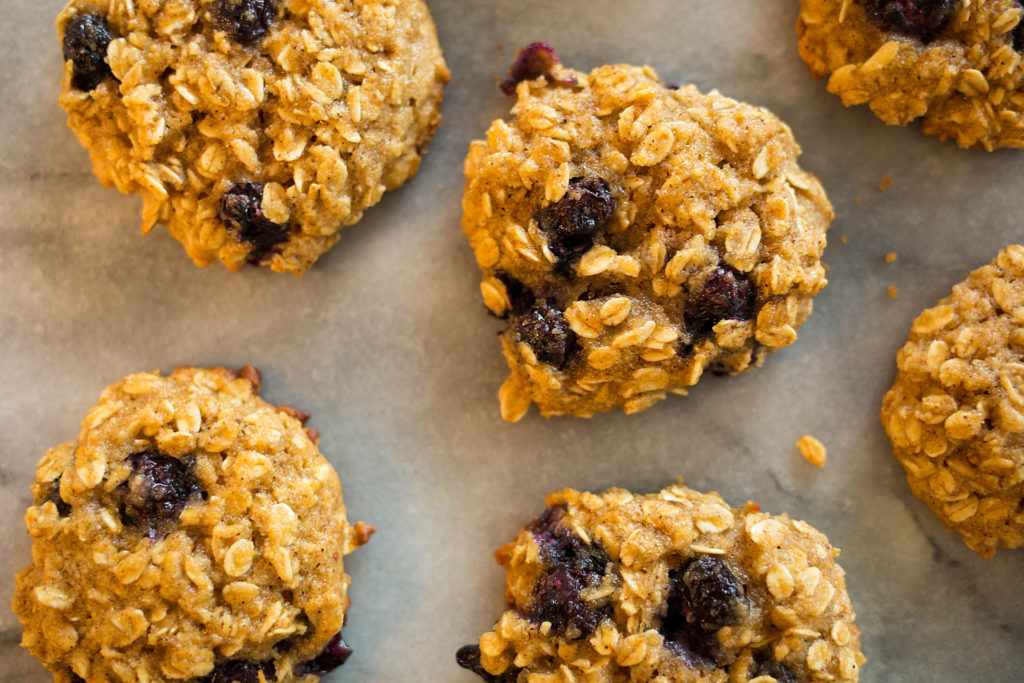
<point>254,130</point>
<point>193,532</point>
<point>634,235</point>
<point>669,587</point>
<point>956,64</point>
<point>955,413</point>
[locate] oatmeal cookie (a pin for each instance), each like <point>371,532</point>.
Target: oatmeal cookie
<point>671,587</point>
<point>955,413</point>
<point>193,532</point>
<point>959,66</point>
<point>254,130</point>
<point>634,235</point>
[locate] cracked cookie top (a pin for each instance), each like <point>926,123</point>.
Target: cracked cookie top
<point>254,130</point>
<point>957,66</point>
<point>634,235</point>
<point>673,586</point>
<point>193,532</point>
<point>955,413</point>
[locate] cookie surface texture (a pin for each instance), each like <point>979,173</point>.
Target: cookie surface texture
<point>193,532</point>
<point>669,587</point>
<point>634,235</point>
<point>254,130</point>
<point>957,66</point>
<point>955,413</point>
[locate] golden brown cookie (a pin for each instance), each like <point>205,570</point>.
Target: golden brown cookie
<point>254,130</point>
<point>670,587</point>
<point>955,413</point>
<point>193,532</point>
<point>957,66</point>
<point>634,235</point>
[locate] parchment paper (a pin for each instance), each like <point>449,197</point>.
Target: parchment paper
<point>386,342</point>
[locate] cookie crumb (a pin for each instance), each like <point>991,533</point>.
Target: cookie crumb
<point>884,185</point>
<point>813,450</point>
<point>842,239</point>
<point>890,257</point>
<point>892,291</point>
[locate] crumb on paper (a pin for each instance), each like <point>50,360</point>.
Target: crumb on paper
<point>842,239</point>
<point>884,185</point>
<point>813,450</point>
<point>440,186</point>
<point>890,257</point>
<point>892,291</point>
<point>856,200</point>
<point>498,47</point>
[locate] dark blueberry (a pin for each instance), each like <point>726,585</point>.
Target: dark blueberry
<point>238,671</point>
<point>63,509</point>
<point>704,596</point>
<point>520,297</point>
<point>330,658</point>
<point>86,39</point>
<point>1018,32</point>
<point>572,566</point>
<point>240,210</point>
<point>556,598</point>
<point>574,221</point>
<point>75,678</point>
<point>468,657</point>
<point>921,19</point>
<point>727,295</point>
<point>156,491</point>
<point>545,329</point>
<point>714,595</point>
<point>533,61</point>
<point>780,672</point>
<point>245,21</point>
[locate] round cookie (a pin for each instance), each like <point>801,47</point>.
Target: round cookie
<point>668,587</point>
<point>959,66</point>
<point>955,413</point>
<point>634,235</point>
<point>193,532</point>
<point>254,130</point>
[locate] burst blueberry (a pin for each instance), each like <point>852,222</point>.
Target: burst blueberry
<point>574,221</point>
<point>727,294</point>
<point>520,297</point>
<point>714,595</point>
<point>156,491</point>
<point>239,671</point>
<point>546,330</point>
<point>86,39</point>
<point>468,657</point>
<point>920,19</point>
<point>241,211</point>
<point>244,21</point>
<point>63,509</point>
<point>334,654</point>
<point>533,61</point>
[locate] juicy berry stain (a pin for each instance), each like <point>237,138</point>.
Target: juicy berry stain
<point>241,211</point>
<point>727,295</point>
<point>574,221</point>
<point>765,665</point>
<point>156,491</point>
<point>330,658</point>
<point>468,657</point>
<point>85,43</point>
<point>533,61</point>
<point>572,566</point>
<point>239,671</point>
<point>245,21</point>
<point>1018,32</point>
<point>920,19</point>
<point>546,330</point>
<point>63,509</point>
<point>704,596</point>
<point>520,297</point>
